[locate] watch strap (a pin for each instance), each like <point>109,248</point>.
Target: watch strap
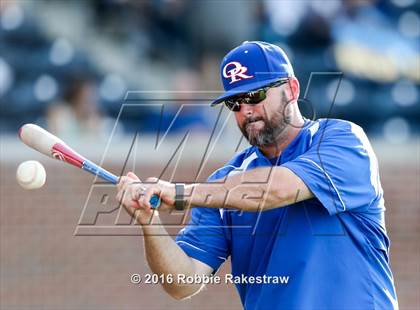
<point>179,196</point>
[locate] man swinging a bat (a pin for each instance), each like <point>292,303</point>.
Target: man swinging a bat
<point>303,201</point>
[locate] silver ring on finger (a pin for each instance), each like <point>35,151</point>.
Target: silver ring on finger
<point>140,190</point>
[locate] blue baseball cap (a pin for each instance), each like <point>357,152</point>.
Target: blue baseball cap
<point>252,65</point>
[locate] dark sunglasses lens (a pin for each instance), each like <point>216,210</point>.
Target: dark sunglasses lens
<point>256,97</point>
<point>232,105</point>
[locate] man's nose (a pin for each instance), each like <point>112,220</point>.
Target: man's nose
<point>247,109</point>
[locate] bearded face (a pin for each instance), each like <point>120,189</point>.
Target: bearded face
<point>267,129</point>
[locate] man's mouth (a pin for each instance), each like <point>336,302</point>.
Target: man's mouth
<point>255,124</point>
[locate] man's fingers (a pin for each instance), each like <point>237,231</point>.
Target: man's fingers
<point>121,196</point>
<point>121,182</point>
<point>137,192</point>
<point>138,195</point>
<point>133,196</point>
<point>132,176</point>
<point>148,194</point>
<point>124,198</point>
<point>124,182</point>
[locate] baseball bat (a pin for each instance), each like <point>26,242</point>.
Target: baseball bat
<point>46,143</point>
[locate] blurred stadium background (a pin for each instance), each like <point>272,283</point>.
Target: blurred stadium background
<point>68,65</point>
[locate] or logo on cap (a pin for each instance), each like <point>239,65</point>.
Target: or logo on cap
<point>236,72</point>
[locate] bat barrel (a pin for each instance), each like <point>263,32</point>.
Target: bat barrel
<point>43,141</point>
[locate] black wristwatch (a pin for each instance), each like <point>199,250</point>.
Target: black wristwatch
<point>179,196</point>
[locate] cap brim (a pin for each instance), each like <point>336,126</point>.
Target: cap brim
<point>242,89</point>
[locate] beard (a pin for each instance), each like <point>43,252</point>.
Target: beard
<point>272,129</point>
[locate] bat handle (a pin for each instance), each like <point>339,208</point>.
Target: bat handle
<point>108,176</point>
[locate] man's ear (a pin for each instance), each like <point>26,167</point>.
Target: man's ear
<point>293,89</point>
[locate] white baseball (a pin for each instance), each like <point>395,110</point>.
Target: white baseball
<point>31,174</point>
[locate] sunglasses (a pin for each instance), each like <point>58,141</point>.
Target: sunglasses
<point>253,97</point>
